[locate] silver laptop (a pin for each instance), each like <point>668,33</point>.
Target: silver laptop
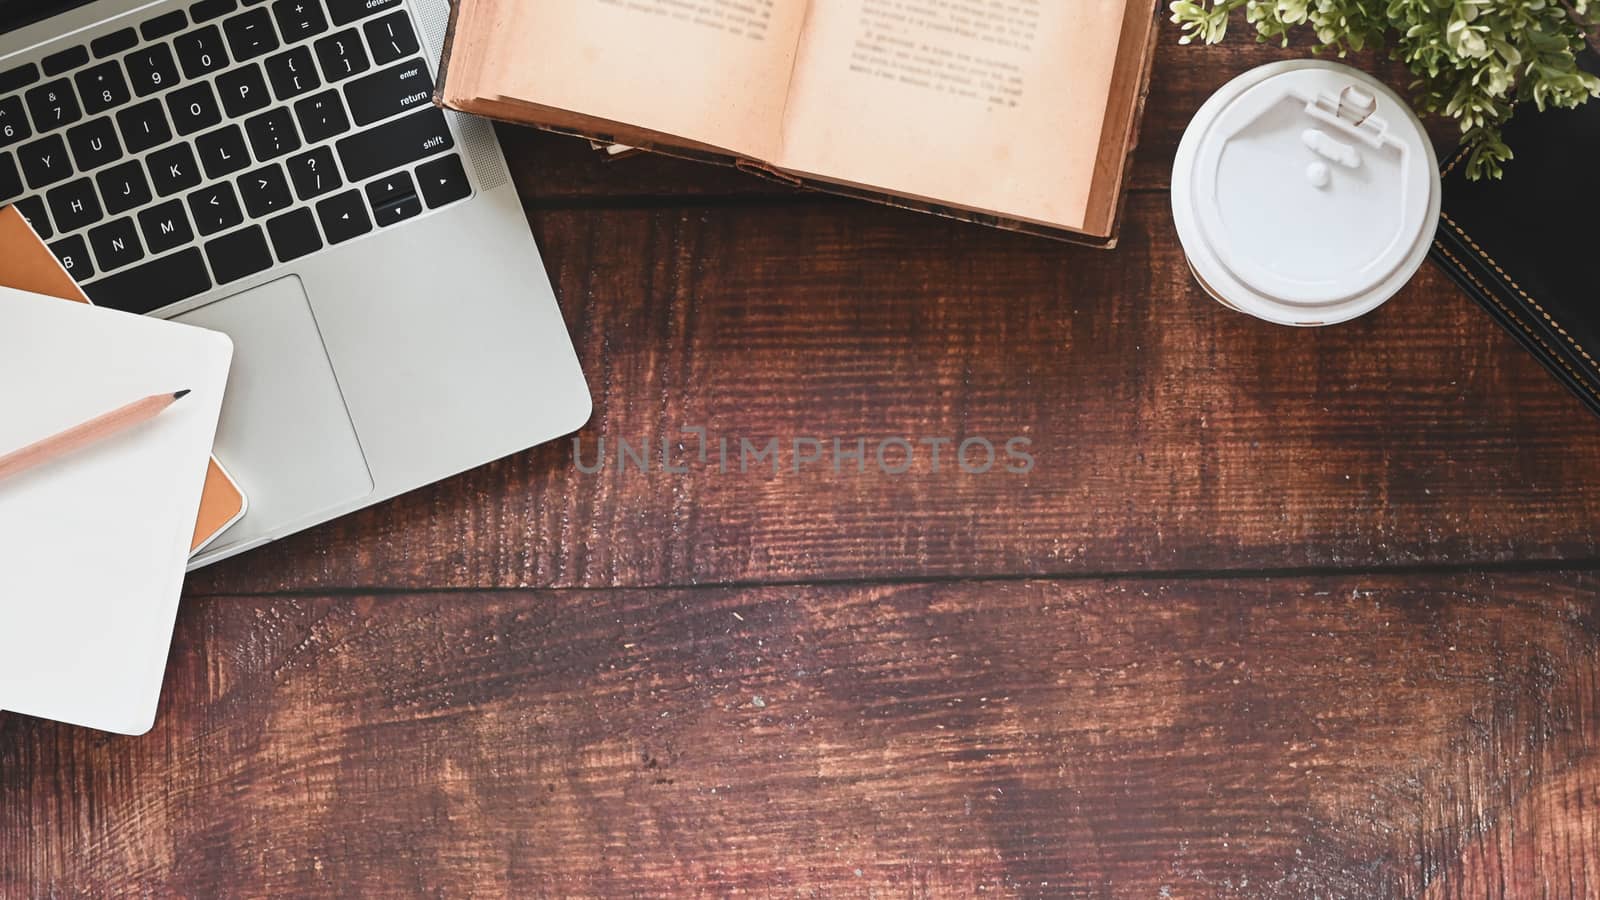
<point>274,169</point>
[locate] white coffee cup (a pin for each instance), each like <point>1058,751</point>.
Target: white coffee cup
<point>1305,192</point>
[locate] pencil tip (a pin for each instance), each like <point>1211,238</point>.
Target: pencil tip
<point>181,394</point>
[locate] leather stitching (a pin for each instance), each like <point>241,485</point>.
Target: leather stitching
<point>1512,282</point>
<point>1510,313</point>
<point>1518,288</point>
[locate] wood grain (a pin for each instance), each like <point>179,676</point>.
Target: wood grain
<point>1277,613</point>
<point>1170,434</point>
<point>1343,736</point>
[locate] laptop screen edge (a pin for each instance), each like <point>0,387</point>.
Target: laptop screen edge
<point>15,14</point>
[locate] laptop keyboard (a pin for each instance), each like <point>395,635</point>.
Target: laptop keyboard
<point>208,144</point>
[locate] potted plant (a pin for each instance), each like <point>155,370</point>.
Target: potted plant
<point>1475,61</point>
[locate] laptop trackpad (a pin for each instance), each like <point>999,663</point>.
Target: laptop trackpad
<point>285,434</point>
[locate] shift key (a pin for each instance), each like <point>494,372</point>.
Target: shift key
<point>390,92</point>
<point>395,144</point>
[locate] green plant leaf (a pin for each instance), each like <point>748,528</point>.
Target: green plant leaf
<point>1474,60</point>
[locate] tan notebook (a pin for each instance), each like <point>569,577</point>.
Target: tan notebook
<point>26,264</point>
<point>1021,114</point>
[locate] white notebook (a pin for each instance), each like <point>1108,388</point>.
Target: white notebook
<point>93,545</point>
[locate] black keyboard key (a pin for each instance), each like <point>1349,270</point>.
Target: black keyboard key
<point>10,178</point>
<point>314,173</point>
<point>143,126</point>
<point>14,122</point>
<point>74,256</point>
<point>116,244</point>
<point>443,181</point>
<point>292,73</point>
<point>250,34</point>
<point>194,108</point>
<point>206,10</point>
<point>74,205</point>
<point>53,105</point>
<point>322,116</point>
<point>18,78</point>
<point>165,226</point>
<point>341,55</point>
<point>201,52</point>
<point>299,19</point>
<point>272,134</point>
<point>243,91</point>
<point>151,69</point>
<point>173,169</point>
<point>397,210</point>
<point>294,234</point>
<point>395,144</point>
<point>391,38</point>
<point>65,61</point>
<point>123,187</point>
<point>393,199</point>
<point>239,255</point>
<point>148,287</point>
<point>215,208</point>
<point>94,143</point>
<point>102,87</point>
<point>163,25</point>
<point>346,11</point>
<point>32,209</point>
<point>265,191</point>
<point>344,216</point>
<point>390,92</point>
<point>390,188</point>
<point>222,152</point>
<point>44,162</point>
<point>114,43</point>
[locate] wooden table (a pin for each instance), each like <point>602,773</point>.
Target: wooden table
<point>1275,612</point>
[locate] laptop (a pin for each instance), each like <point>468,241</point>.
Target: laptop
<point>275,170</point>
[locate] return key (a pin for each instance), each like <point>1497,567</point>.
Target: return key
<point>394,90</point>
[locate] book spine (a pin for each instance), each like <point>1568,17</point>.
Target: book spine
<point>445,54</point>
<point>1136,123</point>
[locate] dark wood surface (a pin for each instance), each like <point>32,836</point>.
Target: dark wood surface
<point>1275,613</point>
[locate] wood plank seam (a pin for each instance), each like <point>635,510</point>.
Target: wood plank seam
<point>1505,567</point>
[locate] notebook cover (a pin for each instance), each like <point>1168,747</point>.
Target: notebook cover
<point>1521,246</point>
<point>99,541</point>
<point>1131,83</point>
<point>26,264</point>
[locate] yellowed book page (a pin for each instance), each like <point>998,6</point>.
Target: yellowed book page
<point>713,71</point>
<point>995,105</point>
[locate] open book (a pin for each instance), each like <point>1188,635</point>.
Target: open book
<point>1020,113</point>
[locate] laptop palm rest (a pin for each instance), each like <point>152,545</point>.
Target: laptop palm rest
<point>285,433</point>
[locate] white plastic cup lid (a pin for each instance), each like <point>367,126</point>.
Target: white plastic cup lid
<point>1305,193</point>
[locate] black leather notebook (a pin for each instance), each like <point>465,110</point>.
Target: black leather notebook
<point>1524,246</point>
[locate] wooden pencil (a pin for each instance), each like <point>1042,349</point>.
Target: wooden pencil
<point>91,432</point>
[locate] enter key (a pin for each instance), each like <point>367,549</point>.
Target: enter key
<point>389,92</point>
